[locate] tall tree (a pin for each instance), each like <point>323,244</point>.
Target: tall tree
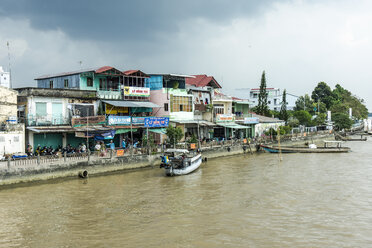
<point>283,114</point>
<point>262,107</point>
<point>304,103</point>
<point>323,93</point>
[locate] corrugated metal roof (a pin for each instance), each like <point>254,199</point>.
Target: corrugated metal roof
<point>130,72</point>
<point>67,73</point>
<point>95,69</point>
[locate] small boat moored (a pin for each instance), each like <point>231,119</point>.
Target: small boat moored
<point>178,162</point>
<point>328,148</point>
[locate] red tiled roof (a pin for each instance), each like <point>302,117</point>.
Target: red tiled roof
<point>236,98</point>
<point>202,81</point>
<point>104,68</point>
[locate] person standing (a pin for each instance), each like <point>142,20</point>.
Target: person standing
<point>112,145</point>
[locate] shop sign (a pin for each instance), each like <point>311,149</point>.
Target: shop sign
<point>156,122</point>
<point>120,153</point>
<point>251,120</point>
<point>224,118</point>
<point>90,120</point>
<point>118,120</point>
<point>138,120</point>
<point>136,91</point>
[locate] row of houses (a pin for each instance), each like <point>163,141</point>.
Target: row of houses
<point>109,104</point>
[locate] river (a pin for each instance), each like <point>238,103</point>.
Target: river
<point>307,200</point>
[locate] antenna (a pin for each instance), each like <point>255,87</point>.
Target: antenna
<point>10,70</point>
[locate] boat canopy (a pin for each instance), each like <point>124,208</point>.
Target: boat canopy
<point>177,150</point>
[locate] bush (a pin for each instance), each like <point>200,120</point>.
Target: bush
<point>174,134</point>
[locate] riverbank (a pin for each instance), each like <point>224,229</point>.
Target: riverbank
<point>23,175</point>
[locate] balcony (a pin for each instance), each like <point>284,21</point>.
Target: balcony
<point>202,108</point>
<point>241,116</point>
<point>48,120</point>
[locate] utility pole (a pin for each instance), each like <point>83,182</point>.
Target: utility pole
<point>87,129</point>
<point>10,69</point>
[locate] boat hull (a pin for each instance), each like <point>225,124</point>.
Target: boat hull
<point>274,149</point>
<point>195,164</point>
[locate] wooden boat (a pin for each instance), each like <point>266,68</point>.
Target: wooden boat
<point>353,139</point>
<point>179,162</point>
<point>346,138</point>
<point>306,149</point>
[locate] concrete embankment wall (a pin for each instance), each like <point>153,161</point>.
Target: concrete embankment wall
<point>15,175</point>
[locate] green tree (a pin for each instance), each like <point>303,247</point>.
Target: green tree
<point>323,93</point>
<point>283,114</point>
<point>262,108</point>
<point>304,100</point>
<point>151,141</point>
<point>343,100</point>
<point>303,117</point>
<point>341,121</point>
<point>320,119</point>
<point>174,134</point>
<point>293,122</point>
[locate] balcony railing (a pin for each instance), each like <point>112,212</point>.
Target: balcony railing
<point>241,116</point>
<point>47,120</point>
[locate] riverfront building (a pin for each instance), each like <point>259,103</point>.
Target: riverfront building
<point>274,97</point>
<point>122,96</point>
<point>106,103</point>
<point>11,133</point>
<point>48,114</point>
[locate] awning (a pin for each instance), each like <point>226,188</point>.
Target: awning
<point>196,122</point>
<point>51,129</point>
<point>232,125</point>
<point>92,128</point>
<point>125,130</point>
<point>132,104</point>
<point>158,130</point>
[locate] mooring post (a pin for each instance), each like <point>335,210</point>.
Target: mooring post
<point>88,155</point>
<point>38,158</point>
<point>8,163</point>
<point>64,156</point>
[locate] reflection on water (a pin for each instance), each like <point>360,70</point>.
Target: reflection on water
<point>307,200</point>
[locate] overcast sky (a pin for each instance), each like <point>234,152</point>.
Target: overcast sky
<point>297,42</point>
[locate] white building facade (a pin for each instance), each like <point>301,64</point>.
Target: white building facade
<point>274,98</point>
<point>4,78</point>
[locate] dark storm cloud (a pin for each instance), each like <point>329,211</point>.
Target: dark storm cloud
<point>125,20</point>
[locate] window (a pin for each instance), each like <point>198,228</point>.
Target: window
<point>41,109</point>
<point>15,138</point>
<point>66,83</point>
<point>269,102</point>
<point>219,109</point>
<point>51,84</point>
<point>166,107</point>
<point>89,82</point>
<point>181,103</point>
<point>102,84</point>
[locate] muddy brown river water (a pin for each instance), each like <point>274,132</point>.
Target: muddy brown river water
<point>307,200</point>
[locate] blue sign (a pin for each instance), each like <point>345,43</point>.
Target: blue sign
<point>251,120</point>
<point>138,120</point>
<point>156,122</point>
<point>118,120</point>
